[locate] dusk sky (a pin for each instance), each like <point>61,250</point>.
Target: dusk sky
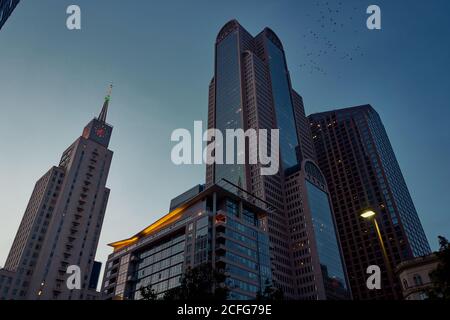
<point>159,54</point>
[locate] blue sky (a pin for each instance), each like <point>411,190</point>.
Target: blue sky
<point>159,54</point>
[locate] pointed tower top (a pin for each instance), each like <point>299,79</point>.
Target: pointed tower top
<point>104,112</point>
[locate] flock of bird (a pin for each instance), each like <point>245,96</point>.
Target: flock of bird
<point>330,20</point>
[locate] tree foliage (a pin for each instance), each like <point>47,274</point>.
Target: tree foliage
<point>148,293</point>
<point>200,283</point>
<point>441,276</point>
<point>270,292</point>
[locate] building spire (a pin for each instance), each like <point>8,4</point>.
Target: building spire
<point>104,112</point>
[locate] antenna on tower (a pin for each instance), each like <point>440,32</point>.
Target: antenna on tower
<point>104,112</point>
<point>108,96</point>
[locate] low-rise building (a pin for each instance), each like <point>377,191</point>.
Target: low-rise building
<point>414,275</point>
<point>216,226</point>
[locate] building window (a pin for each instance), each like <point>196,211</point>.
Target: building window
<point>423,296</point>
<point>418,280</point>
<point>232,208</point>
<point>405,284</point>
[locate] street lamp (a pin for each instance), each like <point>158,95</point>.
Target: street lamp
<point>368,214</point>
<point>371,215</point>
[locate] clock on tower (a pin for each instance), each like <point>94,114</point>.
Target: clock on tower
<point>98,130</point>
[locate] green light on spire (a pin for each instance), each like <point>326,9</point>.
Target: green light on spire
<point>104,112</point>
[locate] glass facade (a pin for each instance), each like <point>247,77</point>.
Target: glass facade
<point>265,271</point>
<point>246,256</point>
<point>381,147</point>
<point>202,240</point>
<point>251,75</point>
<point>161,266</point>
<point>326,240</point>
<point>230,238</point>
<point>283,105</point>
<point>122,277</point>
<point>395,193</point>
<point>228,103</point>
<point>6,8</point>
<point>354,153</point>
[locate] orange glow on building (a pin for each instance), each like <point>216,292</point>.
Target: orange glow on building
<point>158,225</point>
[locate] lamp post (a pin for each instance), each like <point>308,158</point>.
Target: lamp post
<point>371,216</point>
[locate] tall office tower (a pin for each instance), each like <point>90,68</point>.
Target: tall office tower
<point>251,89</point>
<point>359,164</point>
<point>6,8</point>
<point>62,222</point>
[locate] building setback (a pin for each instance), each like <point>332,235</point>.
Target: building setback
<point>359,164</point>
<point>62,222</point>
<point>215,227</point>
<point>6,8</point>
<point>251,89</point>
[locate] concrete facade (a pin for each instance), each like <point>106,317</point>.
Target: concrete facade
<point>414,276</point>
<point>62,222</point>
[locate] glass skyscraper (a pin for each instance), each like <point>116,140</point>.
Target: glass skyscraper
<point>6,8</point>
<point>358,161</point>
<point>251,89</point>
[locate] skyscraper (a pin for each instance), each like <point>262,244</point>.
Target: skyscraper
<point>360,166</point>
<point>251,88</point>
<point>6,8</point>
<point>62,222</point>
